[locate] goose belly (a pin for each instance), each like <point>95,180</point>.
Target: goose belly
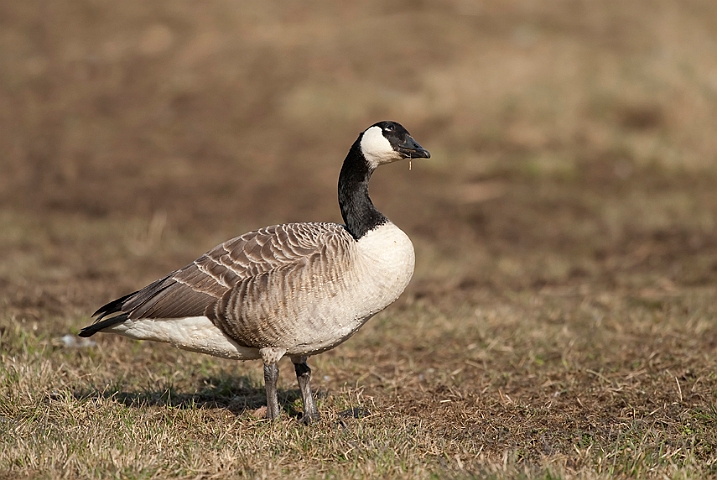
<point>382,267</point>
<point>196,334</point>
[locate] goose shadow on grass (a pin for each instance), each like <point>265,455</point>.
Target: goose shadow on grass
<point>236,394</point>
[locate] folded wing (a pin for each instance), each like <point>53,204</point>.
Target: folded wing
<point>217,284</point>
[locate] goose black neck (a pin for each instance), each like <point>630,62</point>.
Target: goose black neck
<point>357,210</point>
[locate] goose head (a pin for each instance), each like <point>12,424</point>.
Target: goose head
<point>387,142</point>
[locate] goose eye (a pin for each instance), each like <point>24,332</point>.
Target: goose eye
<point>389,128</point>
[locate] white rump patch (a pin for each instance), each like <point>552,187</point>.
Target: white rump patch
<point>196,334</point>
<point>376,148</point>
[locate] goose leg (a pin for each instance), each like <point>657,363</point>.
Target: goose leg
<point>303,375</point>
<point>271,375</point>
<point>271,356</point>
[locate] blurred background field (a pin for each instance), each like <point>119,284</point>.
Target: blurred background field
<point>561,321</point>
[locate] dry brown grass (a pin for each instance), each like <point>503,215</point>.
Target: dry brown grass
<point>561,322</point>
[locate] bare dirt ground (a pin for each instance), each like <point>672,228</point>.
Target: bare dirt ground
<point>561,322</point>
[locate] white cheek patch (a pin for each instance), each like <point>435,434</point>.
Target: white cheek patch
<point>376,148</point>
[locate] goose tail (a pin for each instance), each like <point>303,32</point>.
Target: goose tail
<point>108,310</point>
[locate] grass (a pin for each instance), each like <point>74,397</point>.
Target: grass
<point>548,393</point>
<point>561,322</point>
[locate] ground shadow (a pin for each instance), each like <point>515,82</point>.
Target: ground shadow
<point>237,395</point>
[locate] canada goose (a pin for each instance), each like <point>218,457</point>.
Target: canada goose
<point>296,289</point>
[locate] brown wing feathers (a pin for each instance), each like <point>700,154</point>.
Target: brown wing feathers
<point>205,286</point>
